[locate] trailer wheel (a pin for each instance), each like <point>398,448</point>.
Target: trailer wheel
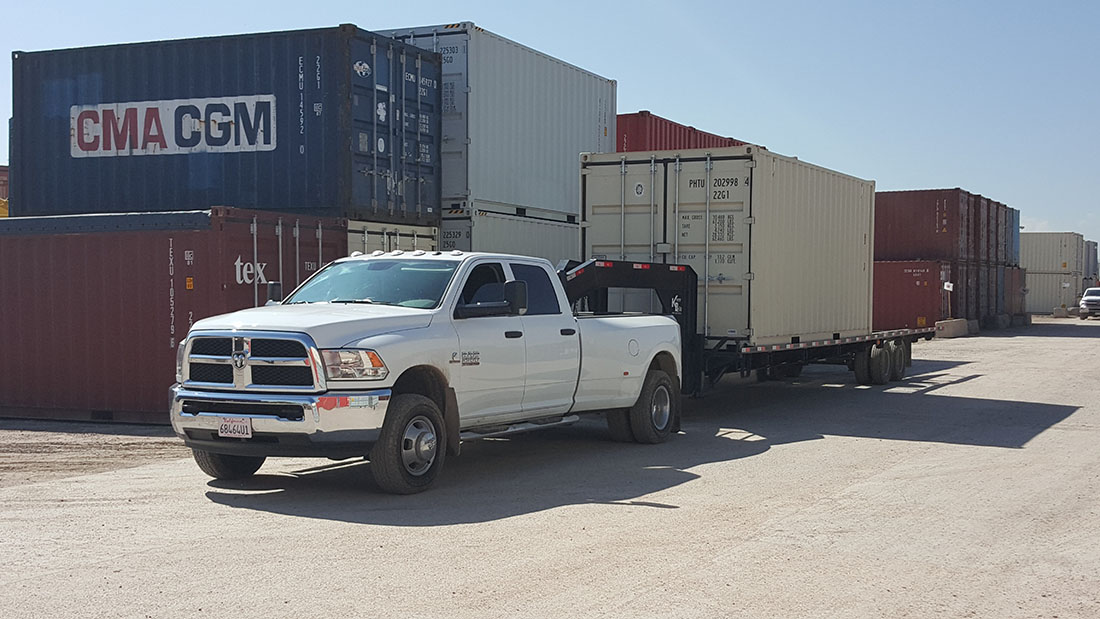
<point>896,351</point>
<point>652,416</point>
<point>411,447</point>
<point>880,365</point>
<point>861,365</point>
<point>225,466</point>
<point>618,425</point>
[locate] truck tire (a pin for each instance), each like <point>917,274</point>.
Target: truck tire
<point>881,360</point>
<point>411,447</point>
<point>652,416</point>
<point>897,360</point>
<point>225,466</point>
<point>861,365</point>
<point>618,425</point>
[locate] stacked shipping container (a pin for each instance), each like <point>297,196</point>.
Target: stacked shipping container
<point>1056,264</point>
<point>644,130</point>
<point>968,238</point>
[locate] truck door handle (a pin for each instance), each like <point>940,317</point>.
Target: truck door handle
<point>513,334</point>
<point>568,331</point>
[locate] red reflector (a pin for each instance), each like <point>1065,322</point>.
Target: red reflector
<point>605,264</point>
<point>578,272</point>
<point>641,266</point>
<point>675,268</point>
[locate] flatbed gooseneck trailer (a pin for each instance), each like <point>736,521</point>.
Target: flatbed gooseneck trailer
<point>875,358</point>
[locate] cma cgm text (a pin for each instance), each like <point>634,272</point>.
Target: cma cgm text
<point>173,127</point>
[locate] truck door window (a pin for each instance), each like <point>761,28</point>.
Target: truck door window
<point>484,276</point>
<point>541,297</point>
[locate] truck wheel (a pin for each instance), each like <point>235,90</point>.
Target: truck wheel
<point>224,466</point>
<point>411,447</point>
<point>861,365</point>
<point>618,425</point>
<point>652,416</point>
<point>880,365</point>
<point>897,360</point>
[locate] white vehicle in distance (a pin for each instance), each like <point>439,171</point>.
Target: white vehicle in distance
<point>400,356</point>
<point>1090,303</point>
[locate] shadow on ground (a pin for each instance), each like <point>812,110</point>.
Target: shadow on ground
<point>1051,327</point>
<point>85,427</point>
<point>576,465</point>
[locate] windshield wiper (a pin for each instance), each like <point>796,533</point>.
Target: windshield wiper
<point>351,301</point>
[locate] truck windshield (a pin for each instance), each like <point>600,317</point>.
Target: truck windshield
<point>409,283</point>
<point>1092,292</point>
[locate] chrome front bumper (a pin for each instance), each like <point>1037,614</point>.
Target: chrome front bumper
<point>334,424</point>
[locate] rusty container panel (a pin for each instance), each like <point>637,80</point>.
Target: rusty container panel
<point>646,131</point>
<point>910,294</point>
<point>110,296</point>
<point>927,224</point>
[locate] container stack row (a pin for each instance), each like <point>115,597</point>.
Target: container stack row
<point>1059,268</point>
<point>945,253</point>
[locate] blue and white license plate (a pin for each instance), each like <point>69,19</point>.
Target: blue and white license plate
<point>235,427</point>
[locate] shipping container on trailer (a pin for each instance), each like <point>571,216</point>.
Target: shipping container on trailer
<point>551,237</point>
<point>1052,252</point>
<point>911,294</point>
<point>113,295</point>
<point>328,122</point>
<point>783,248</point>
<point>514,121</point>
<point>1047,291</point>
<point>367,237</point>
<point>644,130</point>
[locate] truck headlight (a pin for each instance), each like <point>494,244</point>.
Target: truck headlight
<point>345,364</point>
<point>179,360</point>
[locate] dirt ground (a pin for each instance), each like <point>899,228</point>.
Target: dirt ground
<point>969,489</point>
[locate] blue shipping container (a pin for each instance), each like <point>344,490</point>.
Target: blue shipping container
<point>335,122</point>
<point>1014,256</point>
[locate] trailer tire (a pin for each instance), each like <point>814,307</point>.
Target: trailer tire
<point>881,360</point>
<point>897,360</point>
<point>861,365</point>
<point>411,447</point>
<point>655,412</point>
<point>225,466</point>
<point>618,425</point>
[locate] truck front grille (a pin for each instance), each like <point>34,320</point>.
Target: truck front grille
<point>253,361</point>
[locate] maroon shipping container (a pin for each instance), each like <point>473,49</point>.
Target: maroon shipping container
<point>983,230</point>
<point>95,305</point>
<point>1002,237</point>
<point>910,294</point>
<point>646,131</point>
<point>927,224</point>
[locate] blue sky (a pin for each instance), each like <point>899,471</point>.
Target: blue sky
<point>999,98</point>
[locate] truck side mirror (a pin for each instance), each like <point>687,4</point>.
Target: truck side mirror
<point>274,293</point>
<point>515,293</point>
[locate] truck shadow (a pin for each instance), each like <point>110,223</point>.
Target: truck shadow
<point>577,465</point>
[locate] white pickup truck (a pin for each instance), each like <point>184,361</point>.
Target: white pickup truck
<point>398,357</point>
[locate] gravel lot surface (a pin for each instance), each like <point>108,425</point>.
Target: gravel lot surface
<point>970,489</point>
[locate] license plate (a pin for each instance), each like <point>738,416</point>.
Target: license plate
<point>235,427</point>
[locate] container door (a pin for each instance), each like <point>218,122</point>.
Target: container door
<point>707,212</point>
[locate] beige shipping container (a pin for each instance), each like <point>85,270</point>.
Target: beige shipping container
<point>783,249</point>
<point>553,239</point>
<point>366,236</point>
<point>1046,291</point>
<point>1052,252</point>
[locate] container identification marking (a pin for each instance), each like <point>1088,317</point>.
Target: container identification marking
<point>173,127</point>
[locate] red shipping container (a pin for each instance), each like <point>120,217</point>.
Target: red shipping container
<point>910,294</point>
<point>646,131</point>
<point>926,224</point>
<point>95,305</point>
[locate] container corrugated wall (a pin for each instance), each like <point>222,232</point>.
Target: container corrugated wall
<point>116,293</point>
<point>811,236</point>
<point>1052,252</point>
<point>1092,267</point>
<point>910,294</point>
<point>1046,291</point>
<point>644,130</point>
<point>509,234</point>
<point>3,182</point>
<point>515,120</point>
<point>330,122</point>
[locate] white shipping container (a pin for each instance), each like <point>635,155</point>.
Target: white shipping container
<point>366,236</point>
<point>509,234</point>
<point>1046,291</point>
<point>783,249</point>
<point>1092,267</point>
<point>514,120</point>
<point>1052,252</point>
